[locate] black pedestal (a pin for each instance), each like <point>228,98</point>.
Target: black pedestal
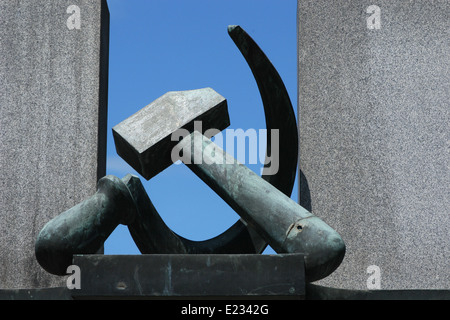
<point>191,276</point>
<point>204,277</point>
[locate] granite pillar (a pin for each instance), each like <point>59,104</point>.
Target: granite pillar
<point>53,104</point>
<point>374,114</point>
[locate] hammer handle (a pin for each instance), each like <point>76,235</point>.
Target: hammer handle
<point>284,224</point>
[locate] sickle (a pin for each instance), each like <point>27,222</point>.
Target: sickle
<point>152,235</point>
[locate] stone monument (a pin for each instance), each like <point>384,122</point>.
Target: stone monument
<point>58,207</point>
<point>374,118</point>
<point>53,104</point>
<point>157,136</point>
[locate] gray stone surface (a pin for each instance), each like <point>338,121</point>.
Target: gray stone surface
<point>374,120</point>
<point>53,96</point>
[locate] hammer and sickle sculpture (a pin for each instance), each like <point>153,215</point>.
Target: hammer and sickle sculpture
<point>268,215</point>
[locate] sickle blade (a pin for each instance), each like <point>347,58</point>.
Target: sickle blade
<point>279,115</point>
<point>277,109</point>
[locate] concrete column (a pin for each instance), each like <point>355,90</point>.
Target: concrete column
<point>374,114</point>
<point>53,104</point>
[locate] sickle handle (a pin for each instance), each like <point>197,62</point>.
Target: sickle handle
<point>84,228</point>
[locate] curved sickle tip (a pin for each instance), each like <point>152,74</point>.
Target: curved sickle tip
<point>232,27</point>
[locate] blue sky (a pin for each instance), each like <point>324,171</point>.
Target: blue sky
<point>158,46</point>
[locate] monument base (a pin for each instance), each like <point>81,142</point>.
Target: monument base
<point>224,277</point>
<point>179,276</point>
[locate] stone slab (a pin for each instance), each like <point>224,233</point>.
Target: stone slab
<point>317,292</point>
<point>53,101</point>
<point>374,120</point>
<point>191,276</point>
<point>53,293</point>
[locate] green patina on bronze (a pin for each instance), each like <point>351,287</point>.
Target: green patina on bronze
<point>84,228</point>
<point>268,215</point>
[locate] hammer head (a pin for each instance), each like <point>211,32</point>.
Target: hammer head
<point>144,140</point>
